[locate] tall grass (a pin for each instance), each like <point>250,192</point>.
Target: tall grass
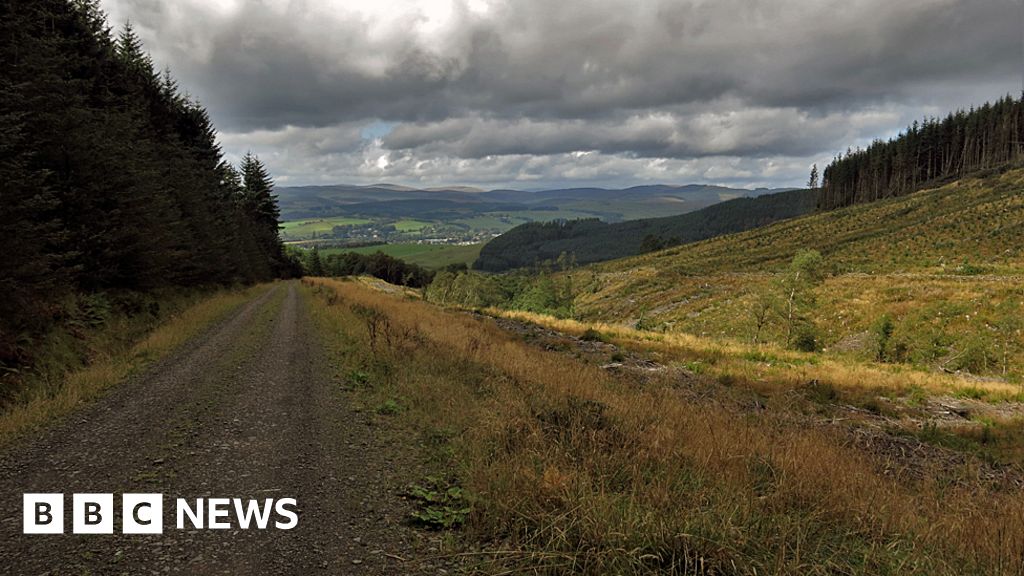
<point>574,470</point>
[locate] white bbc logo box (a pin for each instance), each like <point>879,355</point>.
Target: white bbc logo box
<point>93,514</point>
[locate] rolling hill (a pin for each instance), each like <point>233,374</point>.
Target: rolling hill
<point>978,219</point>
<point>593,240</point>
<point>386,200</point>
<point>943,265</point>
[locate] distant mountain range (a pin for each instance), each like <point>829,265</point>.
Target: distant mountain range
<point>394,201</point>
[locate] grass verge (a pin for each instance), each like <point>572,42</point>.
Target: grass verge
<point>76,367</point>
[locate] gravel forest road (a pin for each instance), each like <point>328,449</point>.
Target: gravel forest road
<point>247,410</point>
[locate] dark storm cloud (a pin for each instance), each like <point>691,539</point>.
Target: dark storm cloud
<point>751,132</point>
<point>673,79</point>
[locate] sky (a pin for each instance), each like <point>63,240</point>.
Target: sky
<point>535,94</point>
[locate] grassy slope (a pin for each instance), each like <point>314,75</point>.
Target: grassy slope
<point>946,264</point>
<point>571,468</point>
<point>431,256</point>
<point>981,221</point>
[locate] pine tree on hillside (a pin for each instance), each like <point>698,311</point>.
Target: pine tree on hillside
<point>29,230</point>
<point>258,197</point>
<point>110,178</point>
<point>259,204</point>
<point>929,151</point>
<point>131,53</point>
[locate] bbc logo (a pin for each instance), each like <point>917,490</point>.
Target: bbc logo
<point>143,513</point>
<point>93,514</point>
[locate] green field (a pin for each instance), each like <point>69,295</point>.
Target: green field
<point>306,228</point>
<point>431,256</point>
<point>411,225</point>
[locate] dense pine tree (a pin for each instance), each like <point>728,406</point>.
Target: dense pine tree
<point>29,228</point>
<point>378,265</point>
<point>110,178</point>
<point>984,138</point>
<point>258,199</point>
<point>259,204</point>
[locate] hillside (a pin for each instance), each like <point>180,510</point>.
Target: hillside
<point>631,452</point>
<point>943,265</point>
<point>594,241</point>
<point>978,219</point>
<point>892,328</point>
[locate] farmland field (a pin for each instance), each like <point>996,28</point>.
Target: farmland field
<point>318,226</point>
<point>411,225</point>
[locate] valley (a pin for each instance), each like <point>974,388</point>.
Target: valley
<point>780,389</point>
<point>936,272</point>
<point>839,391</point>
<point>334,217</point>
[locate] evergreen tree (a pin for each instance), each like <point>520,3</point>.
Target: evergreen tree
<point>29,232</point>
<point>259,204</point>
<point>928,152</point>
<point>109,177</point>
<point>258,197</point>
<point>316,266</point>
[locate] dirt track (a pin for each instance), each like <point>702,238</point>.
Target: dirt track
<point>247,410</point>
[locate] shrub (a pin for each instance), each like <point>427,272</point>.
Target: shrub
<point>806,339</point>
<point>389,407</point>
<point>883,330</point>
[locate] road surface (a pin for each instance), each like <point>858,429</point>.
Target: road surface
<point>248,410</point>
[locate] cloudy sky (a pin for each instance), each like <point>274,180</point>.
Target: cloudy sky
<point>542,93</point>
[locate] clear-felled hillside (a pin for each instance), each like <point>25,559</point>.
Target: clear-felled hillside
<point>938,273</point>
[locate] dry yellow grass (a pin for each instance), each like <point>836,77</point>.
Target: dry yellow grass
<point>754,363</point>
<point>576,471</point>
<point>925,308</point>
<point>110,367</point>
